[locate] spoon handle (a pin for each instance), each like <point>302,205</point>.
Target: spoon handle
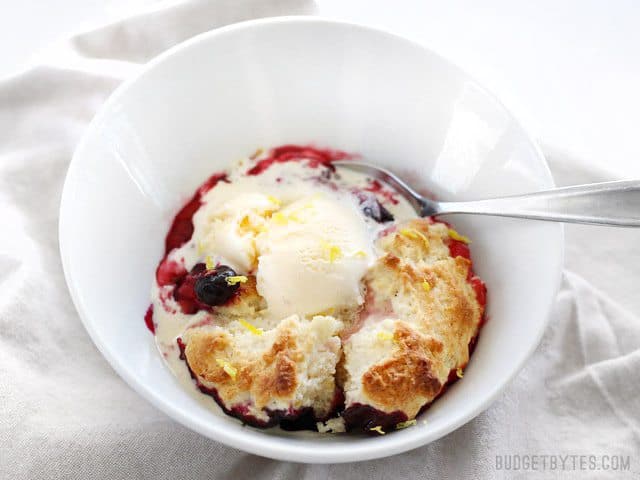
<point>609,203</point>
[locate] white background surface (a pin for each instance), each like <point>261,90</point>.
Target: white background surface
<point>579,392</point>
<point>570,70</point>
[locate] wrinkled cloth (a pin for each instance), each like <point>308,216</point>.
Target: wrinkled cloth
<point>66,414</point>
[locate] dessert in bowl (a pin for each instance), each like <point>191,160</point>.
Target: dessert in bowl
<point>212,101</point>
<point>302,296</point>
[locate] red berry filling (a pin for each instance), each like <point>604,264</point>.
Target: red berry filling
<point>182,226</point>
<point>148,320</point>
<point>296,153</point>
<point>365,418</point>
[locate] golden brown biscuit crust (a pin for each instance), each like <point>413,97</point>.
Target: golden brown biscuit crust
<point>272,375</point>
<point>276,373</point>
<point>435,314</point>
<point>415,283</point>
<point>409,372</point>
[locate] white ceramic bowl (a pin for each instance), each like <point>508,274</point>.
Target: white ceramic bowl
<point>221,95</point>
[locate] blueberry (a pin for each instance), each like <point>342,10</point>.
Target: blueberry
<point>372,208</point>
<point>212,288</point>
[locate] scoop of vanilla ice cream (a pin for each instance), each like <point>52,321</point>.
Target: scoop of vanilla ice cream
<point>229,222</point>
<point>312,256</point>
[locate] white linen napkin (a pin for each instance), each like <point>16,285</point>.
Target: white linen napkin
<point>64,413</point>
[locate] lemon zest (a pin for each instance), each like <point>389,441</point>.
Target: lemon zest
<point>251,328</point>
<point>407,424</point>
<point>360,254</point>
<point>378,429</point>
<point>282,219</point>
<point>200,247</point>
<point>209,263</point>
<point>279,218</point>
<point>245,224</point>
<point>324,313</point>
<point>409,233</point>
<point>459,372</point>
<point>385,336</point>
<point>456,236</point>
<point>227,367</point>
<point>414,234</point>
<point>426,285</point>
<point>274,200</point>
<point>332,252</point>
<point>236,279</point>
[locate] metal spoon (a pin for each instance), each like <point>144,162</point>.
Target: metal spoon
<point>609,203</point>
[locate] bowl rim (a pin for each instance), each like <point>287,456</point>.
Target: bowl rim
<point>304,450</point>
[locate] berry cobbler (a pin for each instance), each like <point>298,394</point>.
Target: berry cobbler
<point>297,295</point>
